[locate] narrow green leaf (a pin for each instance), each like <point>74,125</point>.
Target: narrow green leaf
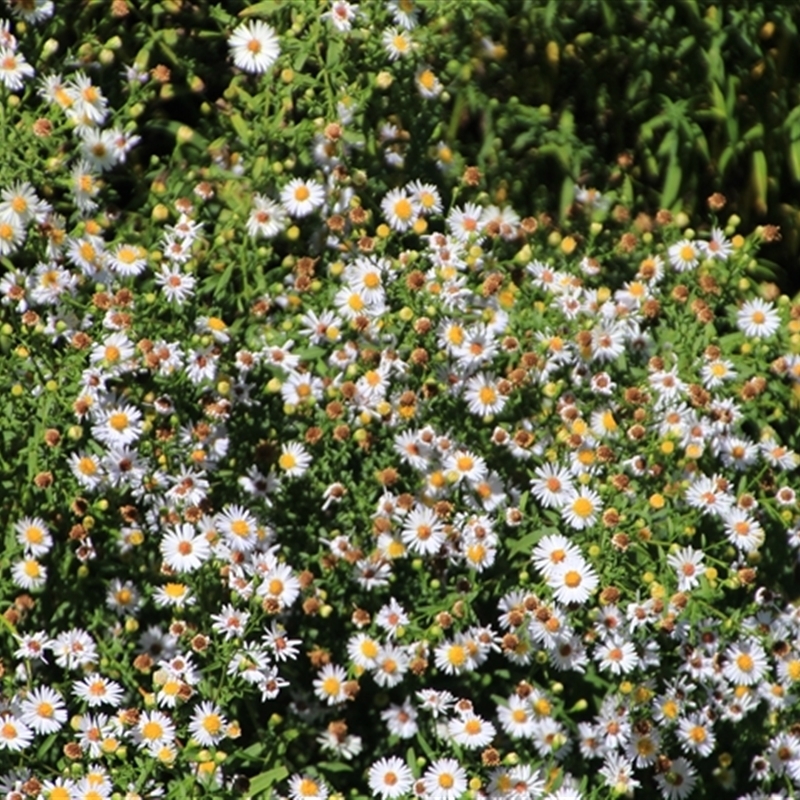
<point>718,100</point>
<point>263,9</point>
<point>754,133</point>
<point>669,145</point>
<point>672,184</point>
<point>266,779</point>
<point>567,196</point>
<point>241,128</point>
<point>758,176</point>
<point>794,159</point>
<point>334,54</point>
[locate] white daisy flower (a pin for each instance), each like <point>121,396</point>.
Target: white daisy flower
<point>13,69</point>
<point>267,218</point>
<point>696,734</point>
<point>581,510</point>
<point>390,778</point>
<point>207,725</point>
<point>445,779</point>
<point>757,317</point>
<point>96,690</point>
<point>12,235</point>
<point>154,730</point>
<point>21,204</point>
<point>15,735</point>
<point>745,663</point>
<point>616,656</point>
<point>34,536</point>
<point>239,527</point>
<point>44,710</point>
<point>254,46</point>
<point>684,255</point>
<point>303,787</point>
<point>552,485</point>
<point>176,286</point>
<point>119,425</point>
<point>398,43</point>
<point>400,209</point>
<point>29,574</point>
<point>294,460</point>
<point>688,563</point>
<point>183,549</point>
<point>329,684</point>
<point>471,730</point>
<point>554,551</point>
<point>300,197</point>
<point>341,15</point>
<point>423,531</point>
<point>482,395</point>
<point>572,582</point>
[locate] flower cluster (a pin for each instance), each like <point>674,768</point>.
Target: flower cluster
<point>322,480</point>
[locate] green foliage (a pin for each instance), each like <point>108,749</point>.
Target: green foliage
<point>292,332</point>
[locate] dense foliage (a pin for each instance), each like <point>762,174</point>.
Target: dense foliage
<point>348,450</point>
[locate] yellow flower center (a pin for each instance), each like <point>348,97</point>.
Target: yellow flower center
<point>403,209</point>
<point>331,685</point>
<point>456,655</point>
<point>34,534</point>
<point>301,193</point>
<point>572,579</point>
<point>372,280</point>
<point>152,730</point>
<point>287,461</point>
<point>118,421</point>
<point>487,395</point>
<point>745,662</point>
<point>697,734</point>
<point>427,79</point>
<point>472,727</point>
<point>44,709</point>
<point>583,507</point>
<point>369,649</point>
<point>32,568</point>
<point>212,724</point>
<point>126,255</point>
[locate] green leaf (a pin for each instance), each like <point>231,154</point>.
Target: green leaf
<point>794,159</point>
<point>263,9</point>
<point>266,779</point>
<point>241,127</point>
<point>566,122</point>
<point>627,190</point>
<point>567,196</point>
<point>756,132</point>
<point>334,766</point>
<point>718,100</point>
<point>334,54</point>
<point>759,177</point>
<point>672,184</point>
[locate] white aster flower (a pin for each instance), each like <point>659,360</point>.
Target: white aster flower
<point>254,46</point>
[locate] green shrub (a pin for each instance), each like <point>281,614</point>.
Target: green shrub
<point>330,471</point>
